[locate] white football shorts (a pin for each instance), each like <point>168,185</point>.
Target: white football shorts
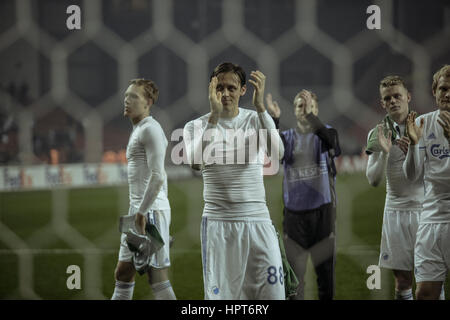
<point>432,252</point>
<point>161,259</point>
<point>398,237</point>
<point>241,260</point>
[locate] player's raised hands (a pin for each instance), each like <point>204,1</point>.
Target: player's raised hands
<point>307,97</point>
<point>384,142</point>
<point>272,107</point>
<point>258,80</point>
<point>414,132</point>
<point>444,121</point>
<point>215,98</point>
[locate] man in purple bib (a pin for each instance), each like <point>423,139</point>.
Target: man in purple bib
<point>309,193</point>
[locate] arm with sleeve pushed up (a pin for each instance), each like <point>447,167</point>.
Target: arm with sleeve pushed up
<point>155,145</point>
<point>267,123</point>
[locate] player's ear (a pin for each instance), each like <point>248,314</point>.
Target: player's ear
<point>243,90</point>
<point>408,97</point>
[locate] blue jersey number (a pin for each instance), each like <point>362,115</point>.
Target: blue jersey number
<point>273,277</point>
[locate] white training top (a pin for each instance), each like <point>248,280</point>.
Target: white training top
<point>147,177</point>
<point>431,157</point>
<point>400,192</point>
<point>232,162</point>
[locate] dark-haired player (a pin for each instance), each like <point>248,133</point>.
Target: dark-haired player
<point>240,252</point>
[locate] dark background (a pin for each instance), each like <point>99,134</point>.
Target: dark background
<point>63,89</point>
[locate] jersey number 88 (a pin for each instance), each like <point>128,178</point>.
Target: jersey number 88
<point>273,277</point>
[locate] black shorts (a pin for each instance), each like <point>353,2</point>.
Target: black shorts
<point>310,226</point>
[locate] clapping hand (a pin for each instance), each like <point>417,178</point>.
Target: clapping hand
<point>258,80</point>
<point>384,142</point>
<point>215,98</point>
<point>414,132</point>
<point>272,107</point>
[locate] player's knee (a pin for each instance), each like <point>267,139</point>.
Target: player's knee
<point>423,293</point>
<point>403,280</point>
<point>403,284</point>
<point>420,294</point>
<point>124,273</point>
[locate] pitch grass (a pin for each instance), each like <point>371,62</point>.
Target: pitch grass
<point>37,219</point>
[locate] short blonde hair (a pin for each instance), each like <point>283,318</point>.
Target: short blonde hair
<point>151,91</point>
<point>391,81</point>
<point>442,72</point>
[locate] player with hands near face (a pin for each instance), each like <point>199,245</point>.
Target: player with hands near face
<point>240,251</point>
<point>309,199</point>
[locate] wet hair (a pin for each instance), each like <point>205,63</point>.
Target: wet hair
<point>442,72</point>
<point>225,67</point>
<point>391,81</point>
<point>151,91</point>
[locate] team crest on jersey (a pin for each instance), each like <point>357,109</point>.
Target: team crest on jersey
<point>431,136</point>
<point>215,290</point>
<point>440,152</point>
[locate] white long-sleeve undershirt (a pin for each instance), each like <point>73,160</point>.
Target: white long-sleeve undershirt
<point>147,178</point>
<point>400,193</point>
<point>376,166</point>
<point>429,161</point>
<point>232,172</point>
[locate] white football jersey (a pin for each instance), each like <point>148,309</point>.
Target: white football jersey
<point>432,155</point>
<point>146,152</point>
<point>400,192</point>
<point>232,163</point>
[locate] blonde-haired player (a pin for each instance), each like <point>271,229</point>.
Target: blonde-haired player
<point>147,181</point>
<point>387,147</point>
<point>429,155</point>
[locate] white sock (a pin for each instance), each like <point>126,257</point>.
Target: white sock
<point>403,294</point>
<point>442,296</point>
<point>163,291</point>
<point>123,290</point>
